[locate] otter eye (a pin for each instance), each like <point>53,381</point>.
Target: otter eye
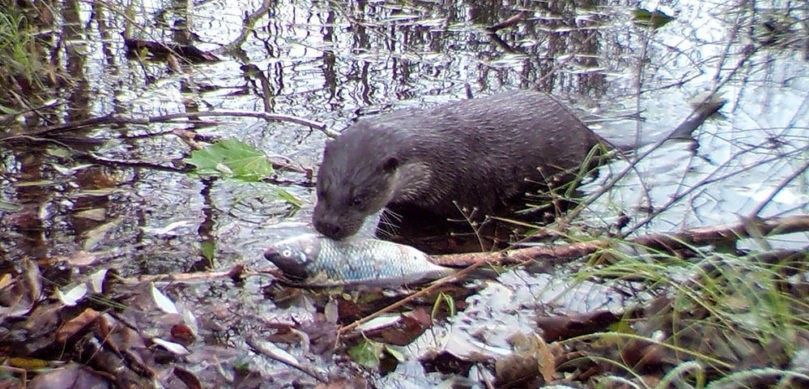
<point>357,200</point>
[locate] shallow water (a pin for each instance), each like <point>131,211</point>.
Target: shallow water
<point>334,62</point>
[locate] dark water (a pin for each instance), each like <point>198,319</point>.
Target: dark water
<point>334,62</point>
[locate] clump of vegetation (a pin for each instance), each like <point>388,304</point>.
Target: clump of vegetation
<point>711,317</point>
<point>22,64</point>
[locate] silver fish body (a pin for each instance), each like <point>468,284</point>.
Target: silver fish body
<point>318,261</point>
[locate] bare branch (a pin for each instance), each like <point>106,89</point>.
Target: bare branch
<point>692,237</point>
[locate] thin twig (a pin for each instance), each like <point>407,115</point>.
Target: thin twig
<point>92,157</point>
<point>708,180</point>
<point>778,189</point>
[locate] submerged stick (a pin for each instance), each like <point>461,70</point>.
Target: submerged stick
<point>703,110</point>
<point>120,119</point>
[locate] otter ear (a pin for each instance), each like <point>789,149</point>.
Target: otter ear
<point>390,164</point>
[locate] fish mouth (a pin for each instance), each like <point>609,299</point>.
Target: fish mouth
<point>291,268</point>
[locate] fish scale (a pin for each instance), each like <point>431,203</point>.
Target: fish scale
<point>321,261</point>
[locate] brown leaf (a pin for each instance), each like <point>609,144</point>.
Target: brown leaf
<point>643,355</point>
<point>405,330</point>
<point>79,258</point>
<point>182,334</point>
<point>32,278</point>
<point>517,370</point>
<point>14,299</point>
<point>75,325</point>
<point>68,377</point>
<point>545,359</point>
<point>43,320</point>
<point>189,379</point>
<point>563,327</point>
<point>532,345</point>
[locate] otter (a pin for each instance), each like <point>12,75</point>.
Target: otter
<point>477,153</point>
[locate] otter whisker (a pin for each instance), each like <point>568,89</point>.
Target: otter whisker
<point>390,220</point>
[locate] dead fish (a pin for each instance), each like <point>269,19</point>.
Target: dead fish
<point>318,261</point>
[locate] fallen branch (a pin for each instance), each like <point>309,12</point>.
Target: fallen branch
<point>120,119</point>
<point>548,254</point>
<point>236,272</point>
<point>670,242</point>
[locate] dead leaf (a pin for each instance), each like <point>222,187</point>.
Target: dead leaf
<point>80,258</point>
<point>532,347</point>
<point>5,280</point>
<point>517,371</point>
<point>182,334</point>
<point>14,301</point>
<point>188,378</point>
<point>68,377</point>
<point>95,214</point>
<point>96,235</point>
<point>564,327</point>
<point>33,279</point>
<point>72,327</point>
<point>545,359</point>
<point>41,324</point>
<point>162,301</point>
<point>72,296</point>
<point>174,348</point>
<point>97,279</point>
<point>405,330</point>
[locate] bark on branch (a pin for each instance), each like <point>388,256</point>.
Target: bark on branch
<point>669,242</point>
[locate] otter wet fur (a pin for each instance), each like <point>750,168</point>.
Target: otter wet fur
<point>475,154</point>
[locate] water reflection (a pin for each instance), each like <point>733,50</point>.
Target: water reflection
<point>334,62</point>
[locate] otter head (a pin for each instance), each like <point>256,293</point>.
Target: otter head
<point>357,179</point>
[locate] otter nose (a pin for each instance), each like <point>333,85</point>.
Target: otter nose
<point>332,230</point>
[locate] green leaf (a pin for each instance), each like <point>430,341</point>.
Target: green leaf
<point>395,352</point>
<point>446,299</point>
<point>290,198</point>
<point>367,353</point>
<point>654,19</point>
<point>231,158</point>
<point>208,248</point>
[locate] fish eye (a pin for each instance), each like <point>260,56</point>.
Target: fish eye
<point>286,253</point>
